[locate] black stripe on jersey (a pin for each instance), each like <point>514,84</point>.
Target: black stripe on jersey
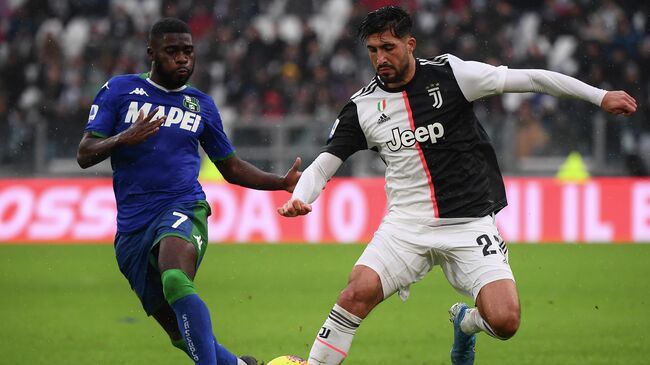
<point>340,319</point>
<point>347,136</point>
<point>366,90</point>
<point>461,163</point>
<point>436,61</point>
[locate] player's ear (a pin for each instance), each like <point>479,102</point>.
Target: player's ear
<point>410,44</point>
<point>150,53</point>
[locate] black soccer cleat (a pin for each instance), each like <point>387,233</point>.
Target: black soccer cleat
<point>249,360</point>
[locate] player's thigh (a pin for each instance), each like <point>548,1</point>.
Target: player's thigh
<point>177,253</point>
<point>474,255</point>
<point>397,263</point>
<point>183,236</point>
<point>138,252</point>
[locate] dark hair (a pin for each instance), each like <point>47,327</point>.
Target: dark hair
<point>391,18</point>
<point>167,25</point>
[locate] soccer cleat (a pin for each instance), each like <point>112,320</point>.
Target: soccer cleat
<point>249,360</point>
<point>462,352</point>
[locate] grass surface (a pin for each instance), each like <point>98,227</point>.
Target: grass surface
<point>581,304</point>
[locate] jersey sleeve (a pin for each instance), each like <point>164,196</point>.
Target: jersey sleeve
<point>102,116</point>
<point>552,83</point>
<point>213,138</point>
<point>346,136</point>
<point>477,79</point>
<point>313,179</point>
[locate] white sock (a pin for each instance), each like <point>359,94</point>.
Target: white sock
<point>334,338</point>
<point>473,323</point>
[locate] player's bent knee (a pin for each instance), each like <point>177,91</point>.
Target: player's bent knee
<point>506,325</point>
<point>362,291</point>
<point>350,295</point>
<point>359,301</point>
<point>176,285</point>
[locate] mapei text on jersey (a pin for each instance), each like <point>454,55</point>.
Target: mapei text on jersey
<point>188,120</point>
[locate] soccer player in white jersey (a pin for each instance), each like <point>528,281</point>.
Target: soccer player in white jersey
<point>443,183</point>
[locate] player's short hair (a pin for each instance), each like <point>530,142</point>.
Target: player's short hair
<point>167,25</point>
<point>392,18</point>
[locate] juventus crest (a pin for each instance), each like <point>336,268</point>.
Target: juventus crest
<point>434,91</point>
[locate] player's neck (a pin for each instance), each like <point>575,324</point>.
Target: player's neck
<point>162,84</point>
<point>408,76</point>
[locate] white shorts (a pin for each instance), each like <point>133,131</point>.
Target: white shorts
<point>470,254</point>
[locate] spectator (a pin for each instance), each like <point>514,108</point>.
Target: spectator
<point>259,75</point>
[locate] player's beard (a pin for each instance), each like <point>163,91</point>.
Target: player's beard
<point>397,77</point>
<point>171,80</point>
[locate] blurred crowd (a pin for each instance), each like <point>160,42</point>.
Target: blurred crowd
<point>266,60</point>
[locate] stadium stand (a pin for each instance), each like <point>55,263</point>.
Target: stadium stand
<point>280,70</point>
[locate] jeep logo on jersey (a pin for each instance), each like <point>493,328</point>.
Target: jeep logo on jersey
<point>191,103</point>
<point>175,116</point>
<point>407,138</point>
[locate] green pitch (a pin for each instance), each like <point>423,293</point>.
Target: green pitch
<point>62,305</point>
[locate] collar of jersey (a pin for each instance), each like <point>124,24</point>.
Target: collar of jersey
<point>164,88</point>
<point>400,88</point>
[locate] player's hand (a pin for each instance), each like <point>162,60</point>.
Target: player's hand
<point>618,102</point>
<point>292,176</point>
<point>294,207</point>
<point>142,128</point>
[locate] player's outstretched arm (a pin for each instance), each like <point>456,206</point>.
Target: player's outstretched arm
<point>93,150</point>
<point>557,84</point>
<point>240,172</point>
<point>310,185</point>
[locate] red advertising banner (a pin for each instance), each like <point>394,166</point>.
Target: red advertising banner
<point>602,210</point>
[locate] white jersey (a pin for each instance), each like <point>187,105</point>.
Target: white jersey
<point>440,166</point>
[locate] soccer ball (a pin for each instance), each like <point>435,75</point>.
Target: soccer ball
<point>288,360</point>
